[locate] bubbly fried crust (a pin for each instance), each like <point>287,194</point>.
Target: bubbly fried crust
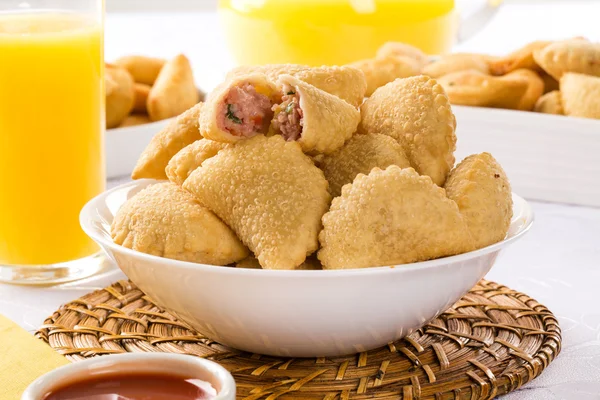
<point>456,62</point>
<point>389,217</point>
<point>165,220</point>
<point>472,88</point>
<point>191,157</point>
<point>535,87</point>
<point>250,262</point>
<point>360,155</point>
<point>550,103</point>
<point>382,70</point>
<point>521,58</point>
<point>345,82</point>
<point>180,132</point>
<point>482,192</point>
<point>270,193</point>
<point>573,55</point>
<point>416,112</point>
<point>580,95</point>
<point>327,121</point>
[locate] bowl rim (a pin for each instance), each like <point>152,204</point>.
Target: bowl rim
<point>89,218</point>
<point>57,377</point>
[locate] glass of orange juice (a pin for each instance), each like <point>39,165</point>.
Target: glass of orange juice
<point>336,32</point>
<point>51,137</point>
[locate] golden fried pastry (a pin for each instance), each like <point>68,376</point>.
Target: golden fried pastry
<point>550,103</point>
<point>270,193</point>
<point>134,120</point>
<point>580,95</point>
<point>416,112</point>
<point>320,122</point>
<point>180,132</point>
<point>165,220</point>
<point>360,155</point>
<point>174,90</point>
<point>250,262</point>
<point>389,217</point>
<point>382,70</point>
<point>119,95</point>
<point>472,88</point>
<point>398,49</point>
<point>573,55</point>
<point>482,192</point>
<point>456,62</point>
<point>141,97</point>
<point>345,82</point>
<point>521,58</point>
<point>143,69</point>
<point>239,108</point>
<point>535,87</point>
<point>191,157</point>
<point>550,84</point>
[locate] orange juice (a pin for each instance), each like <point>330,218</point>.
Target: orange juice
<point>51,134</point>
<point>317,32</point>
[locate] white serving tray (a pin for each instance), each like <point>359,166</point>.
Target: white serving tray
<point>124,146</point>
<point>546,157</point>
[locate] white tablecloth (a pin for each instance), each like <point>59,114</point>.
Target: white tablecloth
<point>557,263</point>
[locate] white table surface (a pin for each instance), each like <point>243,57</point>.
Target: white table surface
<point>557,263</point>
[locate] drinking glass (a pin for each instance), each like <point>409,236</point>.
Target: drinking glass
<point>51,137</point>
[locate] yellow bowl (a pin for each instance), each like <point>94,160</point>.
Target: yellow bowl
<point>335,32</point>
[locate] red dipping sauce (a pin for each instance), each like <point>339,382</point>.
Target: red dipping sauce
<point>146,386</point>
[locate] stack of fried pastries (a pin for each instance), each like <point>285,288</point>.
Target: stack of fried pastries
<point>553,77</point>
<point>286,167</point>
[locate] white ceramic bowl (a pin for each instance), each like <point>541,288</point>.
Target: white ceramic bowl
<point>298,313</point>
<point>158,363</point>
<point>124,146</point>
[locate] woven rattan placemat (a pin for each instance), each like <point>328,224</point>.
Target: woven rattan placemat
<point>489,343</point>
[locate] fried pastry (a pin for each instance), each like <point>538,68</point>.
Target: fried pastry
<point>573,55</point>
<point>134,120</point>
<point>165,220</point>
<point>550,103</point>
<point>320,122</point>
<point>360,155</point>
<point>250,262</point>
<point>389,217</point>
<point>143,69</point>
<point>345,82</point>
<point>270,193</point>
<point>416,112</point>
<point>174,90</point>
<point>456,62</point>
<point>550,84</point>
<point>191,157</point>
<point>535,87</point>
<point>472,88</point>
<point>179,133</point>
<point>382,70</point>
<point>141,97</point>
<point>482,192</point>
<point>580,95</point>
<point>398,49</point>
<point>119,95</point>
<point>239,108</point>
<point>521,58</point>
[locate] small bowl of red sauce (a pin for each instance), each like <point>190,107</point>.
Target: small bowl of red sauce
<point>143,376</point>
